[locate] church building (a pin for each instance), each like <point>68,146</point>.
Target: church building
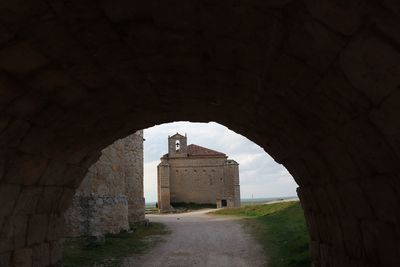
<point>191,173</point>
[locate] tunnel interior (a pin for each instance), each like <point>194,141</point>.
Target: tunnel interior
<point>314,83</point>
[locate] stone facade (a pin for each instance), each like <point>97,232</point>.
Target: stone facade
<point>111,195</point>
<point>191,173</point>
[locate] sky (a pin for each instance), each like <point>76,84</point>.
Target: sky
<point>260,176</point>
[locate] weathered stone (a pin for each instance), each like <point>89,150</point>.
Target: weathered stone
<point>15,130</point>
<point>20,10</point>
<point>21,59</point>
<point>352,237</point>
<point>13,234</point>
<point>372,66</point>
<point>382,197</point>
<point>56,227</point>
<point>49,199</point>
<point>27,200</point>
<point>356,204</point>
<point>22,258</point>
<point>5,35</point>
<point>37,228</point>
<point>313,43</point>
<point>26,169</point>
<point>54,173</point>
<point>66,199</point>
<point>8,196</point>
<point>9,90</point>
<point>41,255</point>
<point>343,17</point>
<point>5,260</point>
<point>56,249</point>
<point>111,195</point>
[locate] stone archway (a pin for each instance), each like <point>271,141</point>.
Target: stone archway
<point>315,83</point>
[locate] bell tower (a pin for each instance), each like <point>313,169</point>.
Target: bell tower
<point>177,145</point>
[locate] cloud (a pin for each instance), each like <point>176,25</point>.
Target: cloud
<point>260,175</point>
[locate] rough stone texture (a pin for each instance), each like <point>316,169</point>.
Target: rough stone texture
<point>313,82</point>
<point>191,173</point>
<point>111,194</point>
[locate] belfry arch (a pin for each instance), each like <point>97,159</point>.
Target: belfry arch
<point>315,83</point>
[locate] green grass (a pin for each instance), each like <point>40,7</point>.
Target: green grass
<point>79,252</point>
<point>281,230</point>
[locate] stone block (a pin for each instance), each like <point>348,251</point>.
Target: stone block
<point>337,205</point>
<point>25,169</point>
<point>354,200</point>
<point>311,42</point>
<point>56,227</point>
<point>307,199</point>
<point>73,176</point>
<point>386,116</point>
<point>16,129</point>
<point>27,200</point>
<point>41,255</point>
<point>361,137</point>
<point>21,59</point>
<point>54,173</point>
<point>352,237</point>
<point>5,35</point>
<point>48,200</point>
<point>8,88</point>
<point>37,228</point>
<point>343,17</point>
<point>22,258</point>
<point>56,252</point>
<point>382,197</point>
<point>20,228</point>
<point>312,225</point>
<point>372,67</point>
<point>66,199</point>
<point>5,259</point>
<point>370,244</point>
<point>8,196</point>
<point>386,244</point>
<point>317,166</point>
<point>336,155</point>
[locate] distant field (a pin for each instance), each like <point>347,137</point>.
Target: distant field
<point>280,228</point>
<point>244,201</point>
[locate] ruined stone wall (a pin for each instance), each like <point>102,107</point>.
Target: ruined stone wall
<point>111,195</point>
<point>133,163</point>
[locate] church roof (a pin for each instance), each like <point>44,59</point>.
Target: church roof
<point>195,150</point>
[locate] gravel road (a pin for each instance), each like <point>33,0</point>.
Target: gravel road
<point>198,239</point>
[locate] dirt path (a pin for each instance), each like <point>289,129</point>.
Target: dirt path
<point>198,239</point>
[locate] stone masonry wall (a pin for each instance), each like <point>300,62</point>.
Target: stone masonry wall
<point>111,195</point>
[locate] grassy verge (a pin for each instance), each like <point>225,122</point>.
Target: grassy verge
<point>79,252</point>
<point>281,230</point>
